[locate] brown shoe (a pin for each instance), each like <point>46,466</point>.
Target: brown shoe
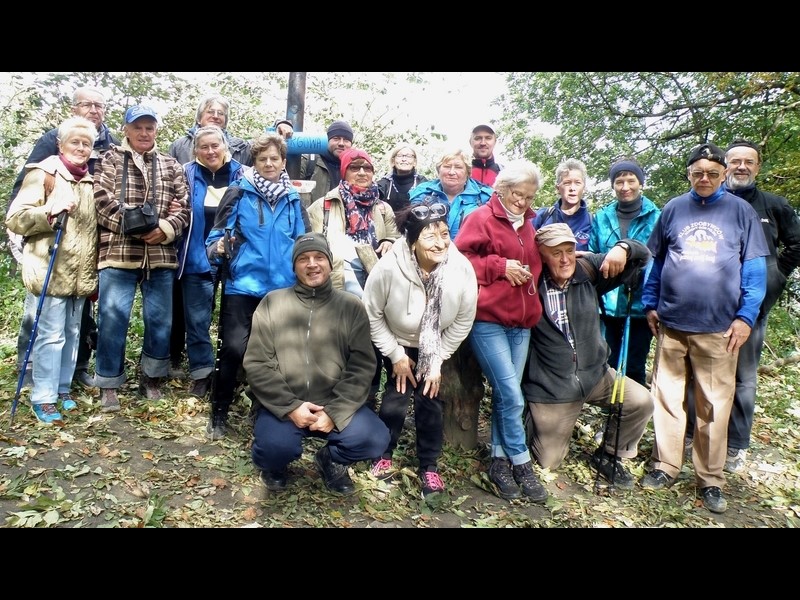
<point>109,402</point>
<point>200,387</point>
<point>148,387</point>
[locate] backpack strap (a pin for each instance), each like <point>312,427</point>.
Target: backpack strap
<point>49,184</point>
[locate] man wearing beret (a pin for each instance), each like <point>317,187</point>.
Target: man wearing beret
<point>568,358</point>
<point>782,230</point>
<point>309,363</point>
<point>702,298</point>
<point>325,168</point>
<point>632,215</point>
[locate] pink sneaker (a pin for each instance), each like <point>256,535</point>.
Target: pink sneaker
<point>431,483</point>
<point>382,469</point>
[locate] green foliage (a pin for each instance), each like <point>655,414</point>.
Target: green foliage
<point>657,117</point>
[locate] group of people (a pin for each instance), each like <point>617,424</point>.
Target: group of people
<point>392,279</point>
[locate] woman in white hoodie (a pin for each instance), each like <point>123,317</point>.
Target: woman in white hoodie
<point>421,299</point>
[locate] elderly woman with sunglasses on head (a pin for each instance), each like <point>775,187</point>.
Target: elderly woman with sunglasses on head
<point>498,239</point>
<point>420,299</point>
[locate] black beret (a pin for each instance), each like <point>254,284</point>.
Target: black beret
<point>707,151</point>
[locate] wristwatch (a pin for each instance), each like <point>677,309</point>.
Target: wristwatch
<point>626,247</point>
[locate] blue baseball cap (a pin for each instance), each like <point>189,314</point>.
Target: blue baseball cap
<point>139,111</point>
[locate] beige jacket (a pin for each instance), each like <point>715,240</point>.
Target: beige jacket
<point>341,244</point>
<point>75,268</point>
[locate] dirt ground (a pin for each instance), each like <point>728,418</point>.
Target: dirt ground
<point>151,466</point>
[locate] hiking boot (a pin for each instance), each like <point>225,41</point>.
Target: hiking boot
<point>67,403</point>
<point>47,414</point>
<point>335,475</point>
<point>612,470</point>
<point>109,402</point>
<point>734,461</point>
<point>687,448</point>
<point>431,483</point>
<point>82,377</point>
<point>713,499</point>
<point>200,387</point>
<point>500,475</point>
<point>217,427</point>
<point>148,387</point>
<point>382,469</point>
<point>274,480</point>
<point>530,485</point>
<point>176,371</point>
<point>656,480</point>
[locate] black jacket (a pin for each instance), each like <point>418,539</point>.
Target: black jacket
<point>782,230</point>
<point>555,373</point>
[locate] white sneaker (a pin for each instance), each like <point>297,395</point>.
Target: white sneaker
<point>734,461</point>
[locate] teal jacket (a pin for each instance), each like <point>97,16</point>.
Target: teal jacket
<point>475,194</point>
<point>602,237</point>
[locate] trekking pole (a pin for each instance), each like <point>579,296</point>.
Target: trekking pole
<point>222,275</point>
<point>59,229</point>
<point>617,392</point>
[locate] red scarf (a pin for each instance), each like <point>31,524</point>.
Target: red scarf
<point>77,172</point>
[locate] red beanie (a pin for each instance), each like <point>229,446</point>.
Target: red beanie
<point>349,156</point>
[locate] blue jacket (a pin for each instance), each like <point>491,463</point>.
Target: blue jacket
<point>192,257</point>
<point>580,223</point>
<point>262,251</point>
<point>605,234</point>
<point>475,194</point>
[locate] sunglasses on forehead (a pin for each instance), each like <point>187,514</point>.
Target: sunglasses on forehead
<point>433,211</point>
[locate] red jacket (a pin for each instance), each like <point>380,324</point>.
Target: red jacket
<point>488,239</point>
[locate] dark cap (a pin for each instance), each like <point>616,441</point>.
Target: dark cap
<point>340,129</point>
<point>478,128</point>
<point>310,242</point>
<point>709,152</point>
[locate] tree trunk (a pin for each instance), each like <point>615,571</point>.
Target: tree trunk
<point>462,391</point>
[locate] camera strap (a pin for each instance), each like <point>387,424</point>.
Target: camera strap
<point>125,183</point>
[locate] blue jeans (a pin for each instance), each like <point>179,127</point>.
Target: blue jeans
<point>277,442</point>
<point>115,302</point>
<point>502,352</point>
<point>55,348</point>
<point>198,298</point>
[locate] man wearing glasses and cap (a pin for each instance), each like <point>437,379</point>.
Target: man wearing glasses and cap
<point>701,299</point>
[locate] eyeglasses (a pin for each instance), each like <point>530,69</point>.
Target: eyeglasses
<point>712,175</point>
<point>406,156</point>
<point>434,211</point>
<point>357,168</point>
<point>97,105</point>
<point>749,162</point>
<point>215,113</point>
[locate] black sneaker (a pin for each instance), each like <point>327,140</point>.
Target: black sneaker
<point>431,483</point>
<point>713,499</point>
<point>530,485</point>
<point>274,480</point>
<point>656,480</point>
<point>612,470</point>
<point>501,476</point>
<point>200,387</point>
<point>335,475</point>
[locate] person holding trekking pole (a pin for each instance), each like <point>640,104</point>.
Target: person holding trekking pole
<point>264,213</point>
<point>631,215</point>
<point>72,268</point>
<point>567,364</point>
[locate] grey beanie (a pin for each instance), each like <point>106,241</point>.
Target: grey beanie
<point>308,242</point>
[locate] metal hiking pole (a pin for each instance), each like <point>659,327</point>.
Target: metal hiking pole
<point>59,229</point>
<point>617,395</point>
<point>222,275</point>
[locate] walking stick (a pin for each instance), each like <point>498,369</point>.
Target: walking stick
<point>617,392</point>
<point>222,275</point>
<point>59,229</point>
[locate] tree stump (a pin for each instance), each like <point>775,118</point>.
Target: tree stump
<point>462,390</point>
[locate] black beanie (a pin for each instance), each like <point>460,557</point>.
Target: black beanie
<point>309,242</point>
<point>342,129</point>
<point>709,152</point>
<point>626,165</point>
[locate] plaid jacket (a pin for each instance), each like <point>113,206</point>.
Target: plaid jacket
<point>128,252</point>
